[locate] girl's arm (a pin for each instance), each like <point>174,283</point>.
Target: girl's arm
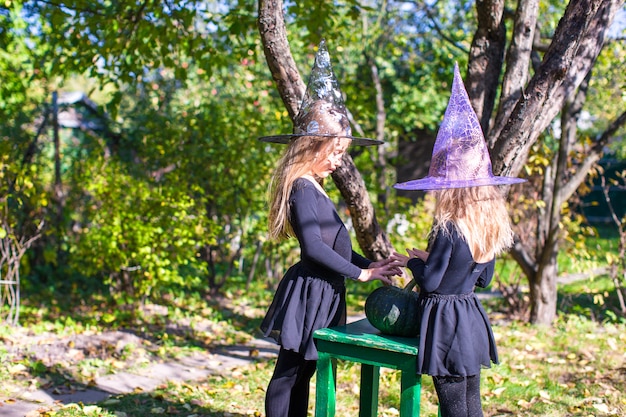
<point>428,274</point>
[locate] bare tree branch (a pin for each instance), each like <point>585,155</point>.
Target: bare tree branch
<point>420,5</point>
<point>594,155</point>
<point>523,259</point>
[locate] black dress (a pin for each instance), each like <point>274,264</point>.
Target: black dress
<point>312,293</point>
<point>456,338</point>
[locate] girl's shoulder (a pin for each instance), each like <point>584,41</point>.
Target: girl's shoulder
<point>448,230</point>
<point>303,188</point>
<point>302,183</point>
<point>310,185</point>
<point>299,183</point>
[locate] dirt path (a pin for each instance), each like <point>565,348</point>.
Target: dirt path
<point>134,373</point>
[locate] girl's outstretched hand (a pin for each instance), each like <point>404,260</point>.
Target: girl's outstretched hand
<point>381,270</point>
<point>402,260</point>
<point>418,253</point>
<point>389,262</point>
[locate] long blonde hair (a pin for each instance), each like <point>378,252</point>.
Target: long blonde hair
<point>300,156</point>
<point>480,215</point>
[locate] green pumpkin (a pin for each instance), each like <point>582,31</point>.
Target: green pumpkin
<point>393,310</point>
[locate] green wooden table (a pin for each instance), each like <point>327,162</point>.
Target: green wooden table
<point>361,342</point>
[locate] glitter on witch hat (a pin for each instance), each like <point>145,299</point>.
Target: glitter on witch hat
<point>322,112</point>
<point>460,157</point>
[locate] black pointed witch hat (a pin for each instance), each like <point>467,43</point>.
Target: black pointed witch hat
<point>322,107</point>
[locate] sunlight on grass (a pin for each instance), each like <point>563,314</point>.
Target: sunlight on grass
<point>574,368</point>
<point>577,367</point>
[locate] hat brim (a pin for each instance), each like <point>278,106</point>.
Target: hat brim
<point>285,139</point>
<point>435,183</point>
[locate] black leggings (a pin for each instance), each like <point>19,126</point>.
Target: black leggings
<point>288,391</point>
<point>459,396</point>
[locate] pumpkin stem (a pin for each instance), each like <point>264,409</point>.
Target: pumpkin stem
<point>409,287</point>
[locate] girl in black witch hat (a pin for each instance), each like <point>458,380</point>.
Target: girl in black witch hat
<point>311,295</point>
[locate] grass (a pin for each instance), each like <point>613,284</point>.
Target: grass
<point>574,368</point>
<point>577,367</point>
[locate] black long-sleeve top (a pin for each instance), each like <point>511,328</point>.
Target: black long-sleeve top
<point>326,249</point>
<point>450,268</point>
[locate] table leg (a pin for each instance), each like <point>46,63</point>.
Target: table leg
<point>324,387</point>
<point>369,390</point>
<point>410,386</point>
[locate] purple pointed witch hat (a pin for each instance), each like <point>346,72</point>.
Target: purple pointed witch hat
<point>322,112</point>
<point>460,156</point>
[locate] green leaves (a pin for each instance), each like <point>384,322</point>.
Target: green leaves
<point>175,187</point>
<point>138,233</point>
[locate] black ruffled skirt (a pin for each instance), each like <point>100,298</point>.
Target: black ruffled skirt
<point>456,338</point>
<point>301,305</point>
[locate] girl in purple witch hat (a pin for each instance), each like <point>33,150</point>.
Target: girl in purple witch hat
<point>311,295</point>
<point>471,226</point>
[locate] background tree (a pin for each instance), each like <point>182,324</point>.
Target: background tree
<point>527,104</point>
<point>526,110</point>
<point>172,193</point>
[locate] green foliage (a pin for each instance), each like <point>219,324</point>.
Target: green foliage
<point>20,104</point>
<point>414,66</point>
<point>172,193</point>
<point>139,236</point>
<point>608,86</point>
<point>573,368</point>
<point>114,39</point>
<point>20,90</point>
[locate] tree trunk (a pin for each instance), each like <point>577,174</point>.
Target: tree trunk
<point>526,110</point>
<point>372,239</point>
<point>560,181</point>
<point>543,293</point>
<point>374,243</point>
<point>271,24</point>
<point>518,60</point>
<point>485,60</point>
